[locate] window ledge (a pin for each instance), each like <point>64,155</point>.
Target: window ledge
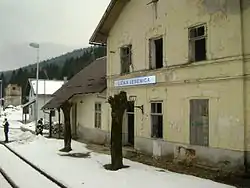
<point>187,64</point>
<point>158,139</point>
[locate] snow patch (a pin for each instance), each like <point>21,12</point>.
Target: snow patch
<point>25,137</point>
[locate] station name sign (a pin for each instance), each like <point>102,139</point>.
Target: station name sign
<point>144,80</point>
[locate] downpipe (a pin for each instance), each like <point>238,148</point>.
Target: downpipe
<point>244,89</point>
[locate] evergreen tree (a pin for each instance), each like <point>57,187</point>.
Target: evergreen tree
<point>19,77</point>
<point>56,68</point>
<point>13,77</point>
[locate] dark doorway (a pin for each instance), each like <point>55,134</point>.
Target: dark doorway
<point>74,120</point>
<point>131,123</point>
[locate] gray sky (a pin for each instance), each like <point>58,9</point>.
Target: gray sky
<point>68,22</point>
<point>62,25</point>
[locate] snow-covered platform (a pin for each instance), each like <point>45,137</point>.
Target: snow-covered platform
<point>78,172</point>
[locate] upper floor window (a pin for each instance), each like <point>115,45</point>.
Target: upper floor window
<point>126,59</point>
<point>156,53</point>
<point>197,43</point>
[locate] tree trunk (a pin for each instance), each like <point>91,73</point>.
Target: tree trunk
<point>66,106</point>
<point>116,144</point>
<point>119,105</point>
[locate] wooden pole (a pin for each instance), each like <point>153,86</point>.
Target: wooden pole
<point>50,123</point>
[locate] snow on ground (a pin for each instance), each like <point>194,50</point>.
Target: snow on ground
<point>89,172</point>
<point>14,116</point>
<point>32,127</point>
<point>77,172</point>
<point>29,126</point>
<point>3,182</point>
<point>12,113</point>
<point>9,162</point>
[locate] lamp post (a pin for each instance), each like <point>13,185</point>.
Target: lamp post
<point>36,46</point>
<point>44,98</point>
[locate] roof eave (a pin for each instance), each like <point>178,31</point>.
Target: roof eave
<point>101,23</point>
<point>98,44</point>
<point>99,36</point>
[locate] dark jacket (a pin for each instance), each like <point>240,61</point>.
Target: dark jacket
<point>40,122</point>
<point>6,126</point>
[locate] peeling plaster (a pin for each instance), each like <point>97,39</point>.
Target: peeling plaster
<point>228,121</point>
<point>224,6</point>
<point>230,127</point>
<point>217,9</point>
<point>171,76</point>
<point>124,39</point>
<point>155,31</point>
<point>175,126</point>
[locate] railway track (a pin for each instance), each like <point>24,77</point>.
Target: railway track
<point>17,172</point>
<point>6,181</point>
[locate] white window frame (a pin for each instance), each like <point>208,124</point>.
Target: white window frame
<point>98,115</point>
<point>152,57</point>
<point>128,57</point>
<point>153,114</point>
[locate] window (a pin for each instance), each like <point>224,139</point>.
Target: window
<point>156,120</point>
<point>126,59</point>
<point>98,115</point>
<point>197,43</point>
<point>156,53</point>
<point>199,122</point>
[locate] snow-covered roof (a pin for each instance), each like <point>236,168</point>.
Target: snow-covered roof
<point>46,87</point>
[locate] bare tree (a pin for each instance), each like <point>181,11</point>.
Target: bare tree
<point>66,107</point>
<point>118,104</point>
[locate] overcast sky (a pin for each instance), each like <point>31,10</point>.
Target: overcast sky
<point>69,22</point>
<point>61,25</point>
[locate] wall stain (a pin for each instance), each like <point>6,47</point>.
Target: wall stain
<point>224,6</point>
<point>219,9</point>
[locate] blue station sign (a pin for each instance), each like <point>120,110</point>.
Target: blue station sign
<point>144,80</point>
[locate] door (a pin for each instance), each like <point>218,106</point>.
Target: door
<point>199,122</point>
<point>130,123</point>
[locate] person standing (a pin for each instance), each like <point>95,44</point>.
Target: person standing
<point>6,129</point>
<point>39,127</point>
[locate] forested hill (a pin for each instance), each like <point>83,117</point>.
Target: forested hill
<point>57,68</point>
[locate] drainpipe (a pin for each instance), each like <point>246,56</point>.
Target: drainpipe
<point>244,88</point>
